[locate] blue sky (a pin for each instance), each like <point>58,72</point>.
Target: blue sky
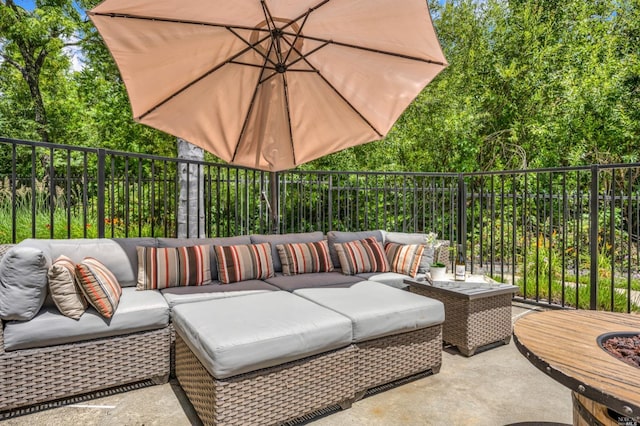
<point>27,4</point>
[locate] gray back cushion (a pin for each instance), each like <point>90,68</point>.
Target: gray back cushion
<point>23,282</point>
<point>344,237</point>
<point>275,239</point>
<point>116,255</point>
<point>404,238</point>
<point>189,242</point>
<point>413,238</point>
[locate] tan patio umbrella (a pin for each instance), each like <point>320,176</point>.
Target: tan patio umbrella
<point>274,83</point>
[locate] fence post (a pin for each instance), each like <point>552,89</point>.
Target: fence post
<point>330,202</point>
<point>593,237</point>
<point>101,190</point>
<point>274,184</point>
<point>461,220</point>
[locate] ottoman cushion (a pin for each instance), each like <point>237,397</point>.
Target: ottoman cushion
<point>377,310</point>
<point>313,279</point>
<point>392,279</point>
<point>241,334</point>
<point>215,290</point>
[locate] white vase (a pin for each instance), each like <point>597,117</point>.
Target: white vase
<point>438,273</point>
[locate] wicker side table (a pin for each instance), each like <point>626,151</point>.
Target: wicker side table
<point>477,311</point>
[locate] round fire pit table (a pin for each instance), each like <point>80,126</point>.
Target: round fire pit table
<point>564,345</point>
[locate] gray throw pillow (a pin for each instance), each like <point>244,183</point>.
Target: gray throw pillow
<point>23,283</point>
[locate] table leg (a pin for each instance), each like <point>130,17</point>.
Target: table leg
<point>587,412</point>
<point>467,351</point>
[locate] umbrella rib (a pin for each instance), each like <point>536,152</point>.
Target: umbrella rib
<point>350,104</point>
<point>175,21</point>
<point>246,64</point>
<point>275,73</point>
<point>286,103</point>
<point>206,74</point>
<point>306,14</point>
<point>297,35</point>
<point>337,92</point>
<point>272,30</point>
<point>249,110</point>
<point>302,57</point>
<point>369,49</point>
<point>345,100</point>
<point>253,46</point>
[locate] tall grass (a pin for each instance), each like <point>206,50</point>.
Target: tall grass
<point>545,280</point>
<point>37,215</point>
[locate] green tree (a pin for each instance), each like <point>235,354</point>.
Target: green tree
<point>30,39</point>
<point>531,83</point>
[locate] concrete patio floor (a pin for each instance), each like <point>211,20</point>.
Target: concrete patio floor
<point>495,387</point>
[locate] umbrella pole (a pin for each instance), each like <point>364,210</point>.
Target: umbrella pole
<point>274,211</point>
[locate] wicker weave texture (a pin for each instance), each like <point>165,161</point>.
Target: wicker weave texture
<point>387,359</point>
<point>470,324</point>
<point>268,396</point>
<point>34,376</point>
<point>443,256</point>
<point>4,248</point>
<point>1,344</point>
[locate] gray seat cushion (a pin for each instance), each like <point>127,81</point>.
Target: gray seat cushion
<point>177,295</point>
<point>242,334</point>
<point>344,237</point>
<point>137,311</point>
<point>275,239</point>
<point>392,279</point>
<point>378,310</point>
<point>315,279</point>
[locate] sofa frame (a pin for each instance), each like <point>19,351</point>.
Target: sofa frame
<point>34,376</point>
<point>299,388</point>
<point>296,389</point>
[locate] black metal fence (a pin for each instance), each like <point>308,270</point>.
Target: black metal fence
<point>567,237</point>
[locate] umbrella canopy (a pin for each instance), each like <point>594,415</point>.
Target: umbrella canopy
<point>270,84</point>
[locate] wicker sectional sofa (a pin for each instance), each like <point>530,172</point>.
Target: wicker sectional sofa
<point>373,334</point>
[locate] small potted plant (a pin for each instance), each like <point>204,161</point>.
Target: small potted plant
<point>438,271</point>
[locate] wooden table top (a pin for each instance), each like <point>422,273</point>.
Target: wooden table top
<point>564,345</point>
<point>475,287</point>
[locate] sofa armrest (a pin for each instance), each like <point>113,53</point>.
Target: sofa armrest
<point>4,248</point>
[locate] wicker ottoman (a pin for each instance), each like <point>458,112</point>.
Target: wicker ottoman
<point>397,334</point>
<point>263,358</point>
<point>478,311</point>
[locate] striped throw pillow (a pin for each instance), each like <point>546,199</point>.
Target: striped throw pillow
<point>244,262</point>
<point>404,258</point>
<point>304,258</point>
<point>65,290</point>
<point>173,267</point>
<point>99,285</point>
<point>357,257</point>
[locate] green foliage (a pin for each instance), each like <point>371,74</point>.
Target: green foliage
<point>530,83</point>
<point>45,97</point>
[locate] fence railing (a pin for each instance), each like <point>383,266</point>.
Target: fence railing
<point>567,237</point>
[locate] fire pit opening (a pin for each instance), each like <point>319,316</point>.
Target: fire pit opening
<point>624,346</point>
